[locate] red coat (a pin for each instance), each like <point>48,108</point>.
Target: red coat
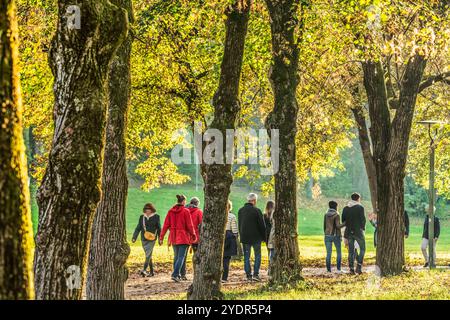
<point>178,221</point>
<point>197,217</point>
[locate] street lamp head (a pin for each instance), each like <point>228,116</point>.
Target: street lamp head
<point>430,122</point>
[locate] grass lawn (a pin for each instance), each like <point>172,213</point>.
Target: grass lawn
<point>310,222</point>
<point>413,285</point>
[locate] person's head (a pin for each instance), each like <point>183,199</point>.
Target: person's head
<point>194,202</point>
<point>356,197</point>
<point>229,206</point>
<point>252,198</point>
<point>181,199</point>
<point>149,209</point>
<point>270,208</point>
<point>333,205</point>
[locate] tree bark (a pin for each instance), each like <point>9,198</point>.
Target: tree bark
<point>70,191</point>
<point>218,177</point>
<point>366,148</point>
<point>284,79</point>
<point>390,150</point>
<point>16,278</point>
<point>109,250</point>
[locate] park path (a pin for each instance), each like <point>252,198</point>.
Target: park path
<point>161,287</point>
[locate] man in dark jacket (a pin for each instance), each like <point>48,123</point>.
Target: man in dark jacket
<point>252,232</point>
<point>437,232</point>
<point>355,224</point>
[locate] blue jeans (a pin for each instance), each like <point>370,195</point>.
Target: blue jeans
<point>329,240</point>
<point>247,252</point>
<point>179,251</point>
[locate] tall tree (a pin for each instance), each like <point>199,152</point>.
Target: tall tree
<point>366,149</point>
<point>107,271</point>
<point>390,149</point>
<point>16,280</point>
<point>80,60</point>
<point>284,79</point>
<point>394,40</point>
<point>217,176</point>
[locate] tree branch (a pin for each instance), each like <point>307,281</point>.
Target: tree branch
<point>429,81</point>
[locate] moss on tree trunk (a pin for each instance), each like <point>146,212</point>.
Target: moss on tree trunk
<point>284,79</point>
<point>70,191</point>
<point>109,250</point>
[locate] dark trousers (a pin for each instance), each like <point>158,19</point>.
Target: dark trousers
<point>351,250</point>
<point>183,268</point>
<point>179,251</point>
<point>226,267</point>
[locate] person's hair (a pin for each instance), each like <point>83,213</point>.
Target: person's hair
<point>252,197</point>
<point>356,196</point>
<point>270,207</point>
<point>229,206</point>
<point>180,198</point>
<point>333,205</point>
<point>150,207</point>
<point>195,201</point>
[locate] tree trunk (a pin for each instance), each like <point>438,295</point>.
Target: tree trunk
<point>16,278</point>
<point>390,149</point>
<point>284,80</point>
<point>107,271</point>
<point>218,177</point>
<point>70,191</point>
<point>364,142</point>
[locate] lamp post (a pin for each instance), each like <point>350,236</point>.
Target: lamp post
<point>432,191</point>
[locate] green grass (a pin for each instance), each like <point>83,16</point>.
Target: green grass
<point>412,285</point>
<point>310,219</point>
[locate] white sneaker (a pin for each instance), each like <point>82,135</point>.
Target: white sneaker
<point>339,272</point>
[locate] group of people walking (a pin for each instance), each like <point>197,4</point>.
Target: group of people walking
<point>183,222</point>
<point>252,228</point>
<point>353,228</point>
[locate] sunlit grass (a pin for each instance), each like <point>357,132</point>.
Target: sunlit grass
<point>411,285</point>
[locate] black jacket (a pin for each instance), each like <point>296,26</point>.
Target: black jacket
<point>354,219</point>
<point>252,228</point>
<point>152,224</point>
<point>437,227</point>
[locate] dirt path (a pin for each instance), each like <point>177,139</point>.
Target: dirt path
<point>161,287</point>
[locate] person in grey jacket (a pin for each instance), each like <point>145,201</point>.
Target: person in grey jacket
<point>332,230</point>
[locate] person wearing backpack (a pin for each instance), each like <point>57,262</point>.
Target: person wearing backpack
<point>149,226</point>
<point>182,234</point>
<point>332,230</point>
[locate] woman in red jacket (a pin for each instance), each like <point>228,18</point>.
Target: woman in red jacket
<point>182,233</point>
